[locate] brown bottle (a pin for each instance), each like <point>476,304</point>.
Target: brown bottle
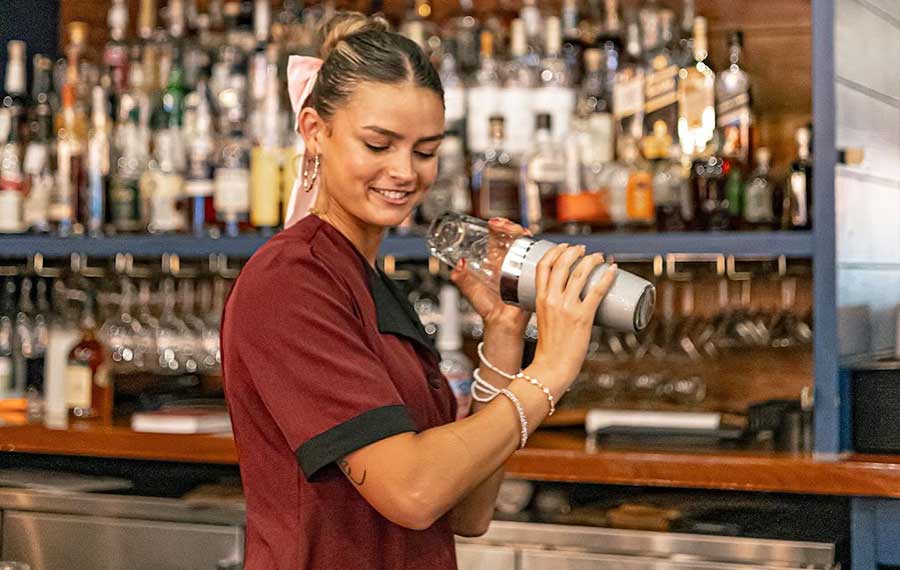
<point>88,387</point>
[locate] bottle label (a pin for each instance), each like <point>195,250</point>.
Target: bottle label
<point>559,102</point>
<point>759,204</point>
<point>199,177</point>
<point>232,191</point>
<point>36,156</point>
<point>639,197</point>
<point>799,211</point>
<point>37,203</point>
<point>265,172</point>
<point>125,203</point>
<point>734,119</point>
<point>163,191</point>
<point>6,375</point>
<point>588,206</point>
<point>461,386</point>
<point>483,101</point>
<point>78,386</point>
<point>499,193</point>
<point>518,119</point>
<point>628,94</point>
<point>11,212</point>
<point>454,104</point>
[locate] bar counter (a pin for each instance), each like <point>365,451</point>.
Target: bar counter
<point>550,456</point>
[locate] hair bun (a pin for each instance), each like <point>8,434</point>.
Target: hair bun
<point>345,24</point>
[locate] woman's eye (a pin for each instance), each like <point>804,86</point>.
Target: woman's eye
<point>376,148</point>
<point>424,154</point>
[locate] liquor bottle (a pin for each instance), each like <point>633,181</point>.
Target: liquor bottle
<point>530,14</point>
<point>759,194</point>
<point>543,178</point>
<point>15,100</point>
<point>670,191</point>
<point>650,26</point>
<point>455,365</point>
<point>734,192</point>
<point>555,95</point>
<point>572,43</point>
<point>200,139</point>
<point>30,344</point>
<point>631,190</point>
<point>265,159</point>
<point>628,92</point>
<point>88,385</point>
<point>454,91</point>
<point>166,171</point>
<point>231,191</point>
<point>129,209</point>
<point>450,190</point>
<point>685,54</point>
<point>495,178</point>
<point>259,62</point>
<point>148,44</point>
<point>483,98</point>
<point>71,142</point>
<point>800,183</point>
<point>115,54</point>
<point>40,155</point>
<point>661,89</point>
<point>98,156</point>
<point>733,102</point>
<point>35,362</point>
<point>697,97</point>
<point>519,82</point>
<point>7,338</point>
<point>12,177</point>
<point>708,193</point>
<point>62,334</point>
<point>83,61</point>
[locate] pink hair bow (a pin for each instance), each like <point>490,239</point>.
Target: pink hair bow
<point>302,72</point>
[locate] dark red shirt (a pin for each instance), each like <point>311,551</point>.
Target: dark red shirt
<point>322,356</point>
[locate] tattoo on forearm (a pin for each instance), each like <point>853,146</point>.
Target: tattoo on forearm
<point>345,467</point>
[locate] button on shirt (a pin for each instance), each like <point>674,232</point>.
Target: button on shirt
<point>322,356</point>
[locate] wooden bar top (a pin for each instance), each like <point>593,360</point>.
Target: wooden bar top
<point>550,456</point>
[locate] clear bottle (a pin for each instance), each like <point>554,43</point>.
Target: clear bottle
<point>88,381</point>
<point>231,194</point>
<point>7,339</point>
<point>483,97</point>
<point>35,360</point>
<point>520,80</point>
<point>495,178</point>
<point>12,179</point>
<point>697,97</point>
<point>543,178</point>
<point>15,99</point>
<point>631,190</point>
<point>800,182</point>
<point>455,365</point>
<point>454,91</point>
<point>200,138</point>
<point>450,190</point>
<point>759,194</point>
<point>129,210</point>
<point>265,160</point>
<point>40,157</point>
<point>733,104</point>
<point>530,14</point>
<point>573,45</point>
<point>628,91</point>
<point>98,168</point>
<point>556,94</point>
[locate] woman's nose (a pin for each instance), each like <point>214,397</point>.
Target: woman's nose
<point>401,168</point>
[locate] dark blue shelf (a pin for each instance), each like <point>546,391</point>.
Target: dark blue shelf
<point>791,244</point>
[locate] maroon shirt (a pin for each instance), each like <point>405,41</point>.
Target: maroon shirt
<point>322,356</point>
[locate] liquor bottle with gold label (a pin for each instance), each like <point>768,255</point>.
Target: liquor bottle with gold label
<point>266,157</point>
<point>88,387</point>
<point>697,97</point>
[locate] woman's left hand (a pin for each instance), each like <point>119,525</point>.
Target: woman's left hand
<point>485,300</point>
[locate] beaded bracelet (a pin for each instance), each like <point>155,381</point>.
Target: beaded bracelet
<point>523,421</point>
<point>540,386</point>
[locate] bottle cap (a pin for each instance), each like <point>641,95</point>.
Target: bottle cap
<point>449,333</point>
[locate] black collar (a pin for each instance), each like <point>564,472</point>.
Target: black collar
<point>395,313</point>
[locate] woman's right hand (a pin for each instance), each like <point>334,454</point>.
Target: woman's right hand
<point>564,319</point>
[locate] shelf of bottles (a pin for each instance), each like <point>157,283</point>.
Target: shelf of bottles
<point>605,126</point>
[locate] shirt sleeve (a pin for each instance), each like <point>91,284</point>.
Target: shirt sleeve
<point>299,335</point>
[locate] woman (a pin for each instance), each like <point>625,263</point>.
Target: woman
<point>349,452</point>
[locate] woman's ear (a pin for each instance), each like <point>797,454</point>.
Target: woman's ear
<point>312,128</point>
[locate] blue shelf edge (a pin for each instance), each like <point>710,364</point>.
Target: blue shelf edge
<point>746,244</point>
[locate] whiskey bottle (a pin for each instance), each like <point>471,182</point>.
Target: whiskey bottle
<point>800,183</point>
<point>495,178</point>
<point>696,97</point>
<point>733,102</point>
<point>88,384</point>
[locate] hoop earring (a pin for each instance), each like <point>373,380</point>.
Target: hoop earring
<point>308,181</point>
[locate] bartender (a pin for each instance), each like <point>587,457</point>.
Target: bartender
<point>350,452</point>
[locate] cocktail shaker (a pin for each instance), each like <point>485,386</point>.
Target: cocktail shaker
<point>509,264</point>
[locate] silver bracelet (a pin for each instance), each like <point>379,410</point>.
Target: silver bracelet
<point>523,421</point>
<point>490,366</point>
<point>540,386</point>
